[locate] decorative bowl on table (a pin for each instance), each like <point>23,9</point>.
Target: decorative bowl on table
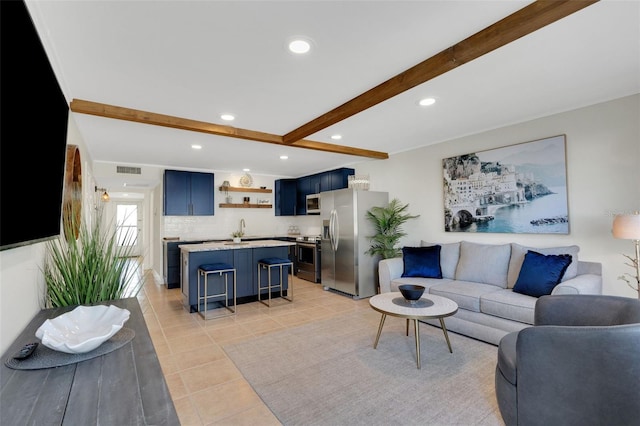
<point>82,329</point>
<point>411,292</point>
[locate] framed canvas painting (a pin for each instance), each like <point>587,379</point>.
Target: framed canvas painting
<point>520,188</point>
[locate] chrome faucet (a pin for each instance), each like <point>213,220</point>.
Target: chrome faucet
<point>242,225</point>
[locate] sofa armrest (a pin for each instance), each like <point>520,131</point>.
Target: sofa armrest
<point>581,284</point>
<point>389,269</point>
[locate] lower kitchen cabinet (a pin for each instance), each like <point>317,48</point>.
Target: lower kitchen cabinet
<point>172,262</point>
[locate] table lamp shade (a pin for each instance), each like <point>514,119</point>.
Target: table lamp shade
<point>627,226</point>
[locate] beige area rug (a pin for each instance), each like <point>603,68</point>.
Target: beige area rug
<point>327,373</point>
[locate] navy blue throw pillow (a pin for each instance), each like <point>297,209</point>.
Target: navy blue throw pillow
<point>423,262</point>
<point>541,273</point>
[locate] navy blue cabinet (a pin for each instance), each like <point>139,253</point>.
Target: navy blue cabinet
<point>339,178</point>
<point>188,193</point>
<point>243,262</point>
<point>285,197</point>
<point>304,188</point>
<point>291,194</point>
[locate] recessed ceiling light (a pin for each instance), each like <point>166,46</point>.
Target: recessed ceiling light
<point>299,46</point>
<point>227,117</point>
<point>336,137</point>
<point>427,101</point>
<point>196,146</point>
<point>284,157</point>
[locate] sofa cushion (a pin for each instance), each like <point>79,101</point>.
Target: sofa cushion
<point>484,263</point>
<point>509,305</point>
<point>421,262</point>
<point>449,255</point>
<point>466,294</point>
<point>540,273</point>
<point>517,257</point>
<point>427,283</point>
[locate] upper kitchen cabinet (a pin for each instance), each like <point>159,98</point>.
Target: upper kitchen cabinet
<point>285,197</point>
<point>338,178</point>
<point>303,189</point>
<point>291,194</point>
<point>188,193</point>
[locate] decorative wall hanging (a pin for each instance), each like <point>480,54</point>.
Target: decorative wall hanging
<point>72,193</point>
<point>519,189</point>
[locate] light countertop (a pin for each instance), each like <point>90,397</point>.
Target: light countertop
<point>228,245</point>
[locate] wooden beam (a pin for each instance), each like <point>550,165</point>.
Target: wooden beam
<point>138,116</point>
<point>519,24</point>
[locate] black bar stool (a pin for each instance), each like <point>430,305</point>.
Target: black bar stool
<point>203,299</point>
<point>269,263</point>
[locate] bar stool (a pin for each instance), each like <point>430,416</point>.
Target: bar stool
<point>275,262</point>
<point>220,269</point>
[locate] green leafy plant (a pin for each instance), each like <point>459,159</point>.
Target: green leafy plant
<point>388,223</point>
<point>237,234</point>
<point>92,268</point>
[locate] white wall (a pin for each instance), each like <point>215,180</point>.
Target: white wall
<point>603,167</point>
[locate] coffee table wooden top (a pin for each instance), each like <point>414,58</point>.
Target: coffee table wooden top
<point>428,306</point>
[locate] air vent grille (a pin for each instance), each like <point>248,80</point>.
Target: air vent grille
<point>129,170</point>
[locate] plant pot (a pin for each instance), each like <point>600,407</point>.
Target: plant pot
<point>237,240</point>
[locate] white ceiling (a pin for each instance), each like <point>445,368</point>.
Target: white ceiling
<point>198,59</point>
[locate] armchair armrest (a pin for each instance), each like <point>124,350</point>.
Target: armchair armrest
<point>389,269</point>
<point>597,366</point>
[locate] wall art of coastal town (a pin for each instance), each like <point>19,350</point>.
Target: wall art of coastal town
<point>520,188</point>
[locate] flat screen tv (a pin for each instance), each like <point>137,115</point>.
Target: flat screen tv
<point>33,133</point>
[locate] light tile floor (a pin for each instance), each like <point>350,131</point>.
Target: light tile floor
<point>206,387</point>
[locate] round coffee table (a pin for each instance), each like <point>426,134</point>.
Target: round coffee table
<point>429,306</point>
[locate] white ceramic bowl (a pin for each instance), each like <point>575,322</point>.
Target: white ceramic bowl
<point>83,329</point>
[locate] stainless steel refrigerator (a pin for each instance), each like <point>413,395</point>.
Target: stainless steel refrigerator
<point>345,232</point>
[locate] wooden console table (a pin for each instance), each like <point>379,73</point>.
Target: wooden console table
<point>123,387</point>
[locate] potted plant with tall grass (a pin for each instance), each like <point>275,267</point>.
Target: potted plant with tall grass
<point>388,222</point>
<point>94,267</point>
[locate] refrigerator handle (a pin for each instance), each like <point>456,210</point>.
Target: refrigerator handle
<point>331,230</point>
<point>335,230</point>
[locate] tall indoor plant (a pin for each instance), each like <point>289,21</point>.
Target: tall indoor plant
<point>96,266</point>
<point>388,222</point>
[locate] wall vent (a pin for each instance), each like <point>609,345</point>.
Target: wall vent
<point>129,170</point>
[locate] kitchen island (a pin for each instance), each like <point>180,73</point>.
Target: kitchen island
<point>242,256</point>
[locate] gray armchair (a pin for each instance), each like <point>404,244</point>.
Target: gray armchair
<point>578,365</point>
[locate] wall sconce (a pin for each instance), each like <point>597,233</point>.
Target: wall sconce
<point>627,227</point>
<point>105,196</point>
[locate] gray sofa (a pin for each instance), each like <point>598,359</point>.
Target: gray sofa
<point>480,279</point>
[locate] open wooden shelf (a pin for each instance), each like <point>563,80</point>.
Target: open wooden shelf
<point>242,189</point>
<point>245,206</point>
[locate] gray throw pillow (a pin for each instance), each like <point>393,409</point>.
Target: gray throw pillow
<point>484,263</point>
<point>517,257</point>
<point>449,255</point>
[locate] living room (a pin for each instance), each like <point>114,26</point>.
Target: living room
<point>602,157</point>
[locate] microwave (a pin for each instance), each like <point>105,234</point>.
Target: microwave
<point>313,204</point>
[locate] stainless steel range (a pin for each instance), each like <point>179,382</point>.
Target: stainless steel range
<point>308,258</point>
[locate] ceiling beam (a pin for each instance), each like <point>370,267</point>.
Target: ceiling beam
<point>138,116</point>
<point>519,24</point>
